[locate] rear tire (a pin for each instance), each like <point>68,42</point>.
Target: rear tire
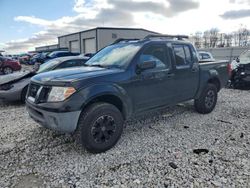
<point>207,101</point>
<point>100,127</point>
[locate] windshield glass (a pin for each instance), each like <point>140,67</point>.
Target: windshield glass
<point>48,65</point>
<point>52,54</point>
<point>245,57</point>
<point>117,56</point>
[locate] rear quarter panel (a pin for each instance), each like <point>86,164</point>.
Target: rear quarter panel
<point>213,70</point>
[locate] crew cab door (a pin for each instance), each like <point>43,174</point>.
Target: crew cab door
<point>186,71</point>
<point>151,88</point>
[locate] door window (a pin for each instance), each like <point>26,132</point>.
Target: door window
<point>155,53</point>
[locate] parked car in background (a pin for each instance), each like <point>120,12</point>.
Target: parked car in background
<point>14,87</point>
<point>8,65</point>
<point>205,57</point>
<point>126,78</point>
<point>38,58</point>
<point>56,54</point>
<point>240,76</point>
<point>24,58</point>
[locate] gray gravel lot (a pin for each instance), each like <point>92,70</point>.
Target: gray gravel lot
<point>158,150</point>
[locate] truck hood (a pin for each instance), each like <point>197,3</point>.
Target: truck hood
<point>72,74</point>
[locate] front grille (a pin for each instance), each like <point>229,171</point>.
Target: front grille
<point>33,90</point>
<point>38,93</point>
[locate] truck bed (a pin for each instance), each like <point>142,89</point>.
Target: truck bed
<point>217,68</point>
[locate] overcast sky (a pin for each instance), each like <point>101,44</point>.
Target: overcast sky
<point>25,24</point>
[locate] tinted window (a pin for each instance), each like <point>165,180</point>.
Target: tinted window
<point>188,54</point>
<point>182,55</point>
<point>62,54</point>
<point>154,53</point>
<point>67,64</point>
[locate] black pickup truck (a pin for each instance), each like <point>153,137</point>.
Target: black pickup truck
<point>124,79</point>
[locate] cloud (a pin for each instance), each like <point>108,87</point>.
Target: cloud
<point>240,1</point>
<point>23,45</point>
<point>32,20</point>
<point>93,13</point>
<point>167,8</point>
<point>236,14</point>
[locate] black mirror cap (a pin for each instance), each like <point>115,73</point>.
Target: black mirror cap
<point>146,65</point>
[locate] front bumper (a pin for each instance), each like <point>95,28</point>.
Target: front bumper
<point>13,94</point>
<point>65,122</point>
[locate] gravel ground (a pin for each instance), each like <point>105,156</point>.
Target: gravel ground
<point>176,147</point>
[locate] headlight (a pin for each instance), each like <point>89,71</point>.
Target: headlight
<point>60,93</point>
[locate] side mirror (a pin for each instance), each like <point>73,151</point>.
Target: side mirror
<point>145,66</point>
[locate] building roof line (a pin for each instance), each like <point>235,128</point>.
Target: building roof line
<point>107,28</point>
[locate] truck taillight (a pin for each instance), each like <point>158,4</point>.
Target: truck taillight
<point>229,69</point>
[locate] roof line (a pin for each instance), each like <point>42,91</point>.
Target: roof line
<point>114,28</point>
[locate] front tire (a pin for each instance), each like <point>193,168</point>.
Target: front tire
<point>207,101</point>
<point>100,127</point>
<point>23,94</point>
<point>7,70</point>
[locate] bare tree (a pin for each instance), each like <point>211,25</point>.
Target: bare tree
<point>213,37</point>
<point>198,39</point>
<point>206,39</point>
<point>228,40</point>
<point>243,33</point>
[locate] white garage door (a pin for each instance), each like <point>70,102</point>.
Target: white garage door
<point>74,46</point>
<point>89,45</point>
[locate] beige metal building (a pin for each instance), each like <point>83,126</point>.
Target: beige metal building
<point>92,40</point>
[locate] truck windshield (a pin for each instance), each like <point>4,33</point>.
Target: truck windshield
<point>245,57</point>
<point>114,56</point>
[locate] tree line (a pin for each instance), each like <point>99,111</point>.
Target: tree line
<point>213,38</point>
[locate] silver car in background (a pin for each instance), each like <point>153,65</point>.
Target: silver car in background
<point>205,57</point>
<point>14,87</point>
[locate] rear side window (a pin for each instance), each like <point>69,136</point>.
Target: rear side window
<point>63,54</point>
<point>188,54</point>
<point>182,55</point>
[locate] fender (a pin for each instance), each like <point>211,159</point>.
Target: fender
<point>205,77</point>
